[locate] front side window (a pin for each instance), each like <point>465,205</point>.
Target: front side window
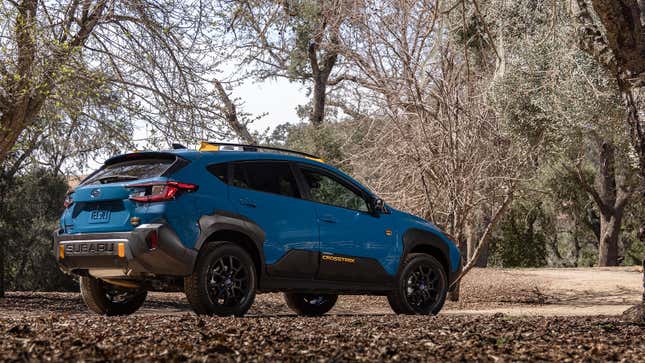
<point>268,177</point>
<point>328,190</point>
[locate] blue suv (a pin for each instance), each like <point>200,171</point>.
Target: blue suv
<point>227,221</point>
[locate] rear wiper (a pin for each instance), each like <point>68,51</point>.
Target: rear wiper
<point>116,177</point>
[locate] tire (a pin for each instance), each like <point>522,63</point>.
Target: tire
<point>421,286</point>
<point>310,304</point>
<point>106,299</point>
<point>223,282</point>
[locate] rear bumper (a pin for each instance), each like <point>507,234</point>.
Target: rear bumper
<point>98,254</point>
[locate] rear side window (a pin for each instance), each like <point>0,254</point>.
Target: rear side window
<point>268,177</point>
<point>130,170</point>
<point>219,170</point>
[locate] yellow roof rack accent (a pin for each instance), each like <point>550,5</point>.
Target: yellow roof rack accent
<point>220,146</point>
<point>205,146</point>
<point>315,159</point>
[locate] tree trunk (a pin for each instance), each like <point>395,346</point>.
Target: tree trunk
<point>482,243</point>
<point>320,76</point>
<point>230,111</point>
<point>318,102</point>
<point>463,247</point>
<point>611,213</point>
<point>3,194</point>
<point>474,231</point>
<point>1,269</point>
<point>610,231</point>
<point>453,295</point>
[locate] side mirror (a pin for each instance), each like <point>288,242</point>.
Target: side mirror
<point>378,206</point>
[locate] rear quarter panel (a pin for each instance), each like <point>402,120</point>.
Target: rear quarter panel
<point>186,211</point>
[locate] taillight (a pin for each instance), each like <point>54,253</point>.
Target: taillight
<point>68,201</point>
<point>159,192</point>
<point>152,240</point>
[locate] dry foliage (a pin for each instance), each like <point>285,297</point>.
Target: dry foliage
<point>432,145</point>
<point>66,335</point>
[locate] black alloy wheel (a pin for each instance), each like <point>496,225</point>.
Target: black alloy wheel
<point>107,299</point>
<point>310,304</point>
<point>228,281</point>
<point>223,282</point>
<point>421,286</point>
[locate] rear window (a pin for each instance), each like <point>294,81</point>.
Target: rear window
<point>129,170</point>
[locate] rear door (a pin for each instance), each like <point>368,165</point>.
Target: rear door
<point>266,192</point>
<point>101,202</point>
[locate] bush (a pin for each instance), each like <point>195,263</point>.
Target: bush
<point>521,242</point>
<point>29,213</point>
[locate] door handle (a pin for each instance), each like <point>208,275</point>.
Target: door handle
<point>247,202</point>
<point>328,219</point>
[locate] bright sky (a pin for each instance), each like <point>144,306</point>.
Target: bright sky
<point>278,98</point>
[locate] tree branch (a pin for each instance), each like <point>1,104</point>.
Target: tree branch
<point>231,114</point>
<point>483,241</point>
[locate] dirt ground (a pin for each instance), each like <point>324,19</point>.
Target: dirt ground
<point>504,315</point>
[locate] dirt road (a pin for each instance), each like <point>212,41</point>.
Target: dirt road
<point>495,321</point>
<point>551,292</point>
<point>515,292</point>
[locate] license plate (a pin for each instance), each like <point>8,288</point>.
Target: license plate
<point>100,216</point>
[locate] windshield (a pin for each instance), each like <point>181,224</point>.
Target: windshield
<point>129,170</point>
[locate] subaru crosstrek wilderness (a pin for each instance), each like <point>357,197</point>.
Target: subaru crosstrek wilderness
<point>228,221</point>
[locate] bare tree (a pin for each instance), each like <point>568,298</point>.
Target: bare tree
<point>434,147</point>
<point>158,59</point>
<point>296,40</point>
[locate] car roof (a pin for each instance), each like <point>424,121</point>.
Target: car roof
<point>234,155</point>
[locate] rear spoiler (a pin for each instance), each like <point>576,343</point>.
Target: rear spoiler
<point>179,162</point>
<point>140,155</point>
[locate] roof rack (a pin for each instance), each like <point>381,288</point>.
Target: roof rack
<point>219,146</point>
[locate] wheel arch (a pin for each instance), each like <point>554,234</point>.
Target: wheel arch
<point>224,226</point>
<point>434,252</point>
<point>241,240</point>
<point>430,243</point>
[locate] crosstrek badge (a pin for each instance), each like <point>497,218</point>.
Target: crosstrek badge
<point>338,259</point>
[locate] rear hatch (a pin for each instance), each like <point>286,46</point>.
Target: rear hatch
<point>101,203</point>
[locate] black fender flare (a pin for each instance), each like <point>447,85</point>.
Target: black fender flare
<point>415,237</point>
<point>226,221</point>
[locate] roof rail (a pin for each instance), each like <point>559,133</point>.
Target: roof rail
<point>217,146</point>
<point>176,146</point>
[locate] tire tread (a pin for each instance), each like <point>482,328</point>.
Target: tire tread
<point>296,303</point>
<point>197,296</point>
<point>93,294</point>
<point>396,298</point>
